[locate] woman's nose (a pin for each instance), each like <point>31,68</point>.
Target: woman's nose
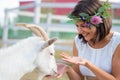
<point>80,30</point>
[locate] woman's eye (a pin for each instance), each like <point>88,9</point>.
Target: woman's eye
<point>77,26</point>
<point>83,26</point>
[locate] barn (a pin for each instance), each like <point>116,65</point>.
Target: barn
<point>63,11</point>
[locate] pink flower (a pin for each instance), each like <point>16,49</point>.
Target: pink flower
<point>96,20</point>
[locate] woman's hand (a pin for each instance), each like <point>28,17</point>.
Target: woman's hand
<point>62,68</point>
<point>74,59</point>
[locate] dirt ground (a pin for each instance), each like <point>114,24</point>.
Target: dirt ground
<point>34,75</point>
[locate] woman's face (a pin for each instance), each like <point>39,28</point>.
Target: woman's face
<point>88,33</point>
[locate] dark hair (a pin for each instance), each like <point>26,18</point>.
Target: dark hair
<point>90,7</point>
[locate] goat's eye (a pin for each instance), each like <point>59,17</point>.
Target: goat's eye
<point>51,54</point>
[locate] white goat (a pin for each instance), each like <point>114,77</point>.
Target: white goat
<point>26,55</point>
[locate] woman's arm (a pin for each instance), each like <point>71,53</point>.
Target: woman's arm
<point>100,74</point>
<point>116,63</point>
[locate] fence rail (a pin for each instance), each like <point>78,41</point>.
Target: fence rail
<point>37,15</point>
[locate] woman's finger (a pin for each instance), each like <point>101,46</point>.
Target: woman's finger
<point>65,56</point>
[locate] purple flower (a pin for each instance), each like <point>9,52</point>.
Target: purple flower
<point>87,24</point>
<point>82,18</point>
<point>96,20</point>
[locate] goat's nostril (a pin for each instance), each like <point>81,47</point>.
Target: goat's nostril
<point>55,71</point>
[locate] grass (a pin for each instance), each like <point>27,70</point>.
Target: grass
<point>34,76</point>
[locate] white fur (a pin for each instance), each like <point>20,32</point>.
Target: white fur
<point>24,56</point>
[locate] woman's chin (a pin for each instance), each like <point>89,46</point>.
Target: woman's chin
<point>87,39</point>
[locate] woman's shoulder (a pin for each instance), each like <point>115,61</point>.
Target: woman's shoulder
<point>116,35</point>
<point>116,38</point>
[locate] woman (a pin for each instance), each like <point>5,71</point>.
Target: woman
<point>96,50</point>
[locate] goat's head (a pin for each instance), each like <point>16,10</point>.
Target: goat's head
<point>45,60</point>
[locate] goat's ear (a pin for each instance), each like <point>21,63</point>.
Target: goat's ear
<point>48,43</point>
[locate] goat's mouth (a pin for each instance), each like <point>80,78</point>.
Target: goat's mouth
<point>48,75</point>
<point>52,76</point>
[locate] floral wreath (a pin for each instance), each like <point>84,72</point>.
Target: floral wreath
<point>96,19</point>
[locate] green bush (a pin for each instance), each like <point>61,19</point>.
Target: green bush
<point>18,34</point>
<point>1,32</point>
<point>25,19</point>
<point>63,35</point>
<point>26,33</point>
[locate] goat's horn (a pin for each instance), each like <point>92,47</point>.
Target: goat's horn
<point>39,31</point>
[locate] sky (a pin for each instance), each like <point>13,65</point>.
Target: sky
<point>7,4</point>
<point>15,3</point>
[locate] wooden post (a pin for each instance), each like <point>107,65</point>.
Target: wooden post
<point>37,11</point>
<point>5,30</point>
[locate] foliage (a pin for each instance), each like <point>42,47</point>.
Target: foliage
<point>96,19</point>
<point>18,34</point>
<point>24,19</point>
<point>1,32</point>
<point>63,35</point>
